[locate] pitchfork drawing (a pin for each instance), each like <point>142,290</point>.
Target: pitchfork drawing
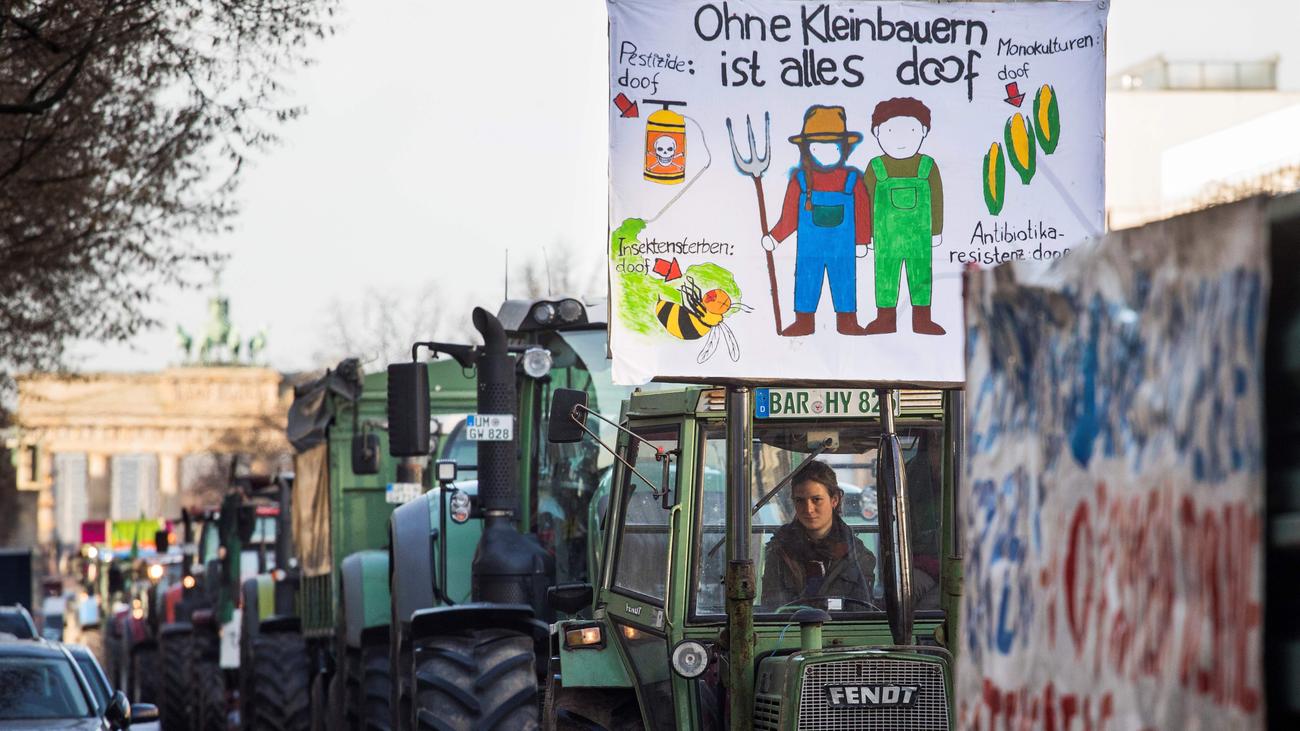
<point>754,166</point>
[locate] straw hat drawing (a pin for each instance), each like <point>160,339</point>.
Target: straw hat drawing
<point>825,124</point>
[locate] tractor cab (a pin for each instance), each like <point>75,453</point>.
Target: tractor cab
<point>823,622</point>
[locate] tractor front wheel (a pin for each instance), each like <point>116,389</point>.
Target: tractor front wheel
<point>279,683</point>
<point>479,679</point>
<point>376,685</point>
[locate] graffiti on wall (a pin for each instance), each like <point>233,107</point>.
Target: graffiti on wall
<point>1112,508</point>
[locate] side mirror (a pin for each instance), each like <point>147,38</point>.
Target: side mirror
<point>143,712</point>
<point>563,428</point>
<point>569,598</point>
<point>162,540</point>
<point>365,454</point>
<point>408,409</point>
<point>118,712</point>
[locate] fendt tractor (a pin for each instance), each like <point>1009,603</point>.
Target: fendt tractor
<point>692,624</point>
<point>199,635</point>
<point>473,559</point>
<point>320,653</point>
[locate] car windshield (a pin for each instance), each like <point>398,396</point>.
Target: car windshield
<point>90,669</point>
<point>837,572</point>
<point>16,624</point>
<point>40,688</point>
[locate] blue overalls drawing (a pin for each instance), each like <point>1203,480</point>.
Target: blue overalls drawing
<point>826,247</point>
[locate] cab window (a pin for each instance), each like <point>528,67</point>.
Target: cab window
<point>643,539</point>
<point>841,572</point>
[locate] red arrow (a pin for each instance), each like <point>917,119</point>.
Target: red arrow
<point>1014,97</point>
<point>626,106</point>
<point>668,270</point>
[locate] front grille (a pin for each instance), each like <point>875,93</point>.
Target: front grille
<point>929,711</point>
<point>767,712</point>
<point>930,401</point>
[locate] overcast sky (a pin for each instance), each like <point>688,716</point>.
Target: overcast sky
<point>440,134</point>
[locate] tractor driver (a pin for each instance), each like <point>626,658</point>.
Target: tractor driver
<point>817,554</point>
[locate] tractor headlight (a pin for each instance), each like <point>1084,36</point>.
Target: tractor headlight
<point>537,362</point>
<point>586,636</point>
<point>543,313</point>
<point>570,310</point>
<point>458,505</point>
<point>690,659</point>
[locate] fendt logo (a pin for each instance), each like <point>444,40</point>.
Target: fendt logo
<point>871,696</point>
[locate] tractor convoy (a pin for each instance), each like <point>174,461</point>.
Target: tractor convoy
<point>497,536</point>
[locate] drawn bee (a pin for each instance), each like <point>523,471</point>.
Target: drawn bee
<point>701,313</point>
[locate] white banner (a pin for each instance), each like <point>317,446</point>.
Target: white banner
<point>795,188</point>
<point>1112,508</point>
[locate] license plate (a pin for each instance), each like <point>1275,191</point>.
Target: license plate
<point>400,493</point>
<point>816,403</point>
<point>490,427</point>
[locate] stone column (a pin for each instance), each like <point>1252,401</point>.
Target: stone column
<point>99,494</point>
<point>169,484</point>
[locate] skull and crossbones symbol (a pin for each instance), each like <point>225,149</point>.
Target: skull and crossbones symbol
<point>666,154</point>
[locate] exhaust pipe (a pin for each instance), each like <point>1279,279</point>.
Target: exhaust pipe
<point>498,470</point>
<point>509,567</point>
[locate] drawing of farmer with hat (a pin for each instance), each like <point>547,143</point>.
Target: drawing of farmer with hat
<point>827,205</point>
<point>906,213</point>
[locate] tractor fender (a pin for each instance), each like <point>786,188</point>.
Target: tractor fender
<point>411,545</point>
<point>171,602</point>
<point>482,615</point>
<point>364,577</point>
<point>175,628</point>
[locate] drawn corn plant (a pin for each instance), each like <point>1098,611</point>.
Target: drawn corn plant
<point>1048,119</point>
<point>1021,146</point>
<point>995,179</point>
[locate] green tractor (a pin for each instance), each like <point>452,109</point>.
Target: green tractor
<point>473,559</point>
<point>319,648</point>
<point>200,624</point>
<point>708,611</point>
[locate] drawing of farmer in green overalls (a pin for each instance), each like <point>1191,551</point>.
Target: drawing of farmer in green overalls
<point>827,207</point>
<point>906,214</point>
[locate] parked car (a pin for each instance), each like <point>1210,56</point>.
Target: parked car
<point>42,687</point>
<point>14,620</point>
<point>100,687</point>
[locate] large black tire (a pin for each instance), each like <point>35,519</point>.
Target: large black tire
<point>475,681</point>
<point>376,684</point>
<point>209,687</point>
<point>144,674</point>
<point>354,693</point>
<point>399,698</point>
<point>174,657</point>
<point>279,679</point>
<point>319,702</point>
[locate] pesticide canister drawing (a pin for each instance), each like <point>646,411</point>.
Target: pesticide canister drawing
<point>665,144</point>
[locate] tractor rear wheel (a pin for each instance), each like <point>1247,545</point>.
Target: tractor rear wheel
<point>174,653</point>
<point>376,684</point>
<point>279,682</point>
<point>483,679</point>
<point>144,674</point>
<point>209,687</point>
